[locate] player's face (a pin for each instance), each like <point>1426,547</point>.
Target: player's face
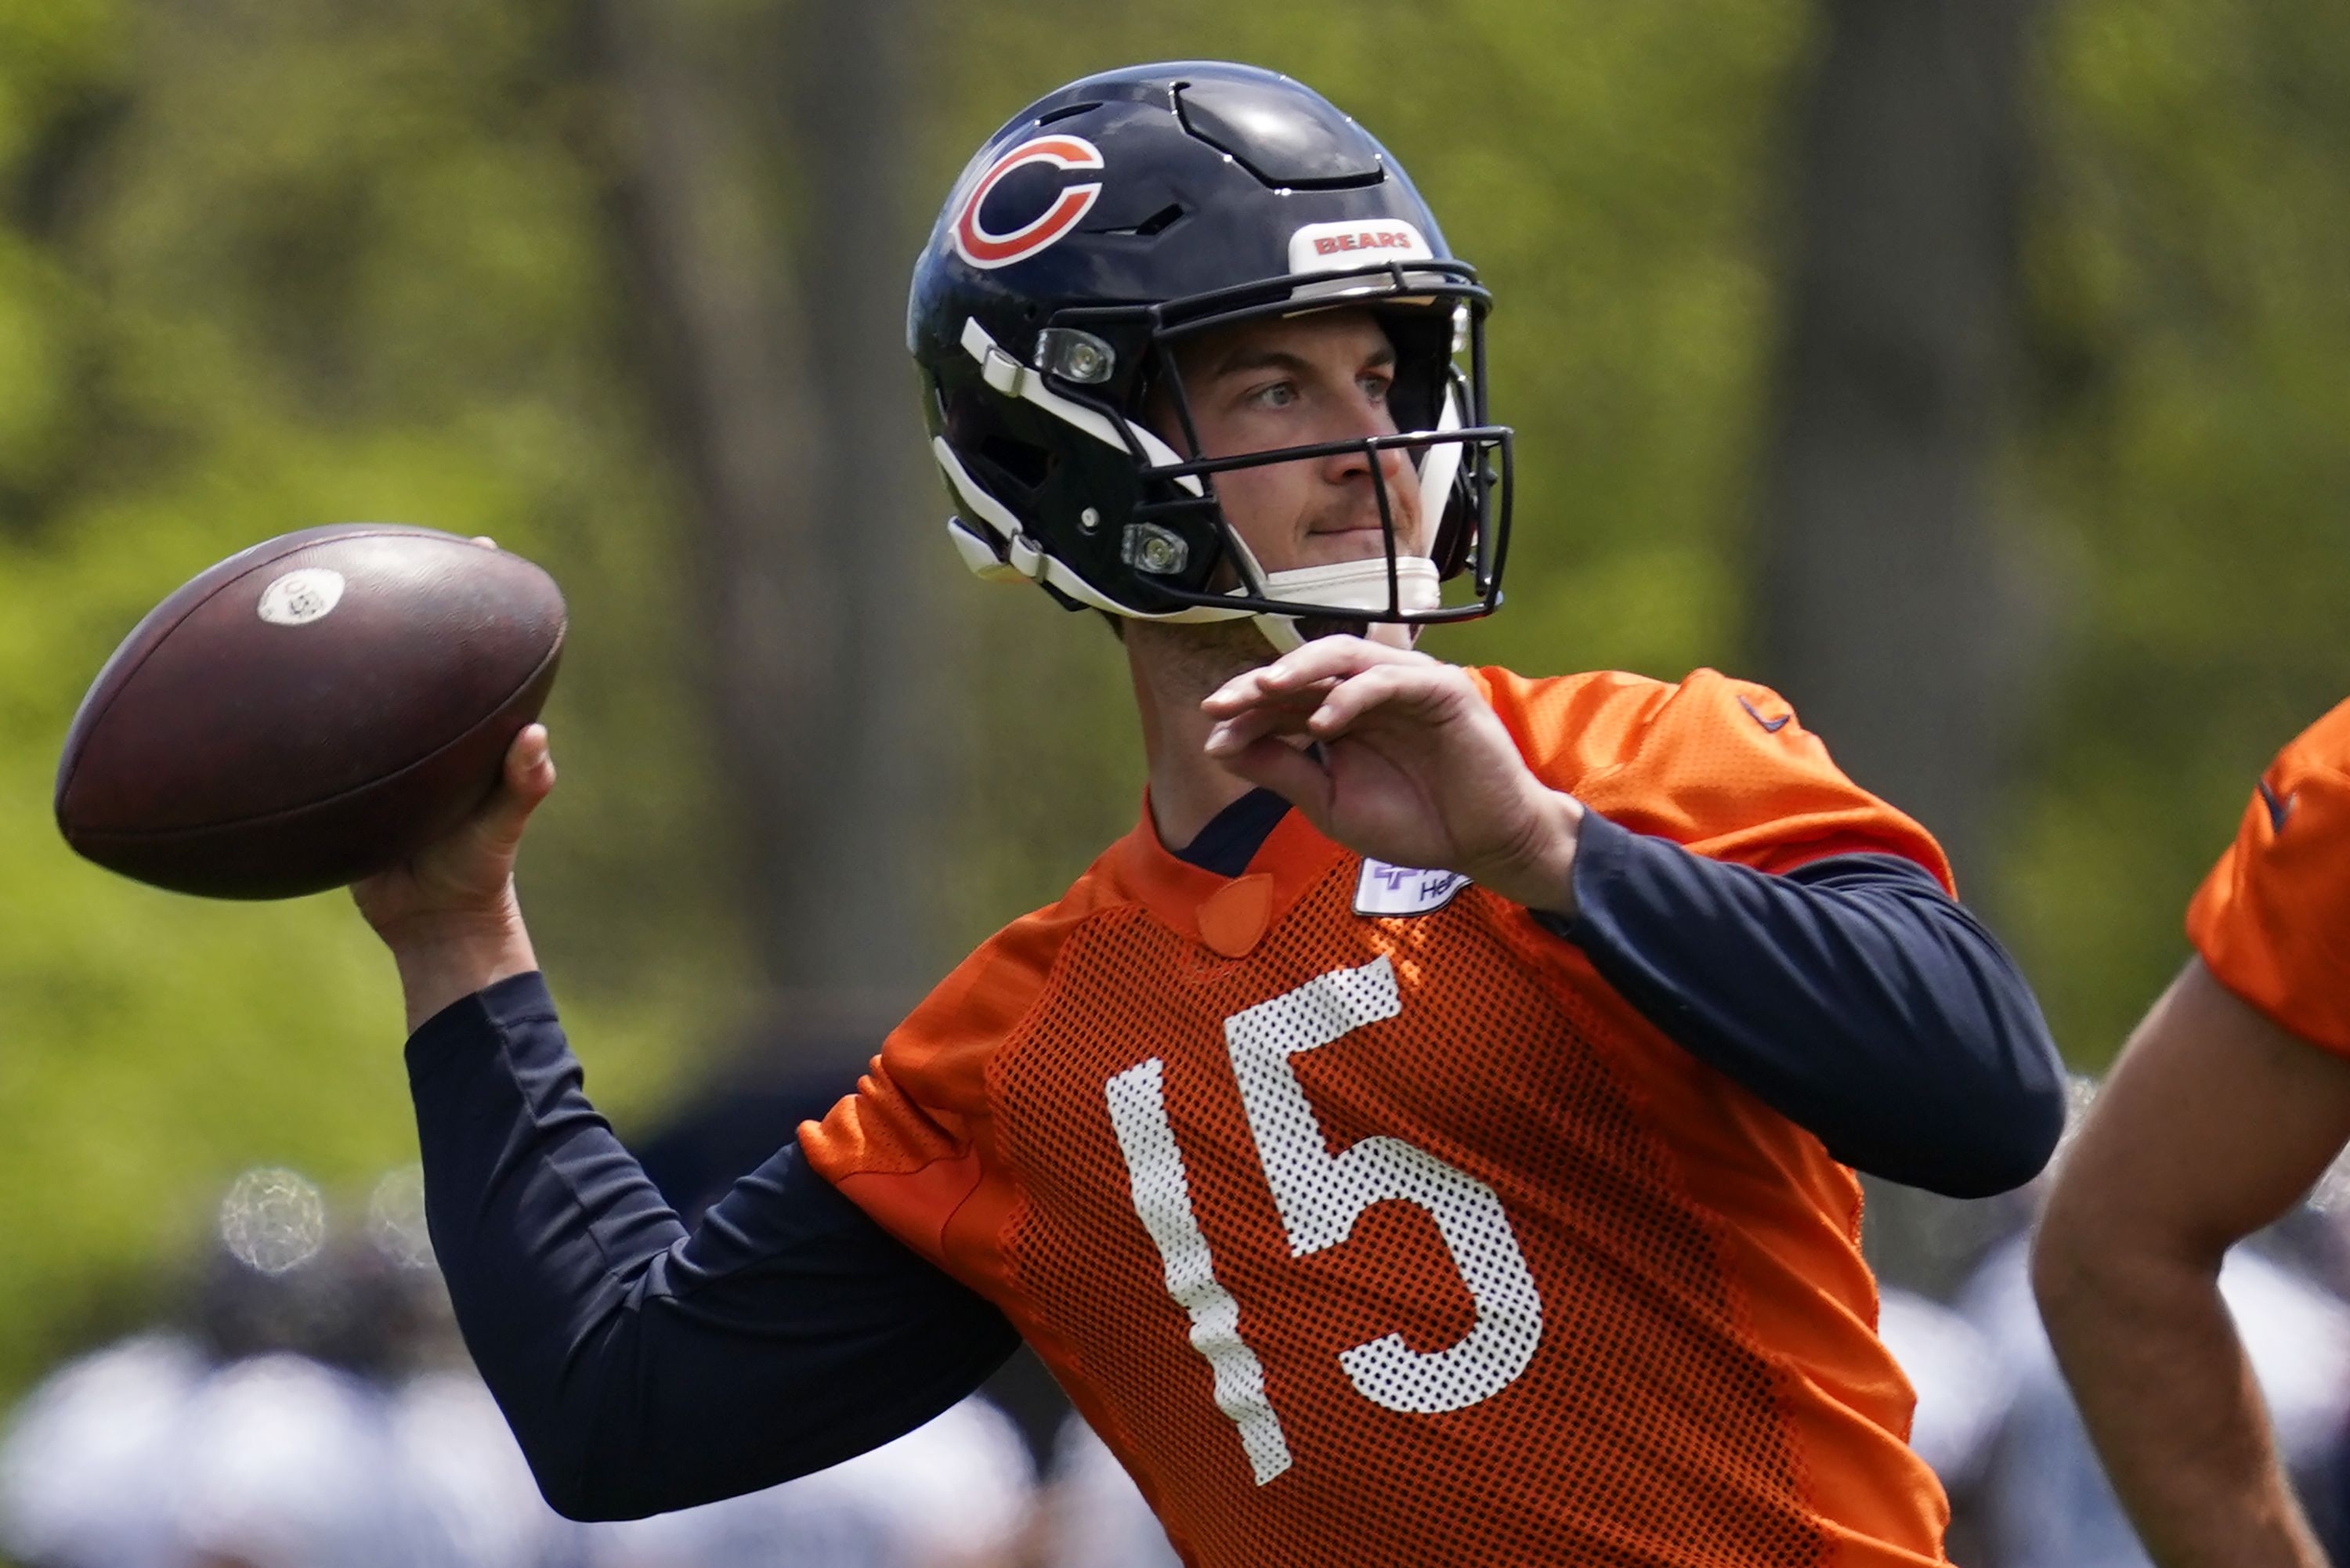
<point>1301,381</point>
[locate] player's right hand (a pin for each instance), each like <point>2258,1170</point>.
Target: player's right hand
<point>449,913</point>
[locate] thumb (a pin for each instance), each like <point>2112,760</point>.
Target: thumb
<point>527,780</point>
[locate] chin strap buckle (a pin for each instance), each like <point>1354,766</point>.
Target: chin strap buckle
<point>1002,372</point>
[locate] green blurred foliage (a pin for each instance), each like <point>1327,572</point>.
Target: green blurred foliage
<point>263,267</point>
<point>2183,468</point>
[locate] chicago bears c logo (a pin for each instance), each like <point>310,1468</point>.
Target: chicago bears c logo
<point>983,248</point>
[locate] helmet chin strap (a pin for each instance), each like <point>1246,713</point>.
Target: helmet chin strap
<point>1346,589</point>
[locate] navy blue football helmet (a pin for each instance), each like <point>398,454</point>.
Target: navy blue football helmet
<point>1113,219</point>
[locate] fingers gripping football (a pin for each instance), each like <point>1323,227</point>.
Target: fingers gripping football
<point>467,878</point>
<point>1413,766</point>
<point>449,913</point>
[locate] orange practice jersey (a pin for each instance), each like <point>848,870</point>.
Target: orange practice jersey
<point>2273,919</point>
<point>1400,1237</point>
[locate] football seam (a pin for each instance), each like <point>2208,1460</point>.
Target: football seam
<point>378,531</point>
<point>134,835</point>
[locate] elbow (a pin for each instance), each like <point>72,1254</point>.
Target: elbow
<point>2024,1093</point>
<point>2029,1124</point>
<point>1983,1177</point>
<point>592,1463</point>
<point>565,1472</point>
<point>570,1443</point>
<point>1982,1173</point>
<point>574,1501</point>
<point>2095,1281</point>
<point>586,1493</point>
<point>2000,1096</point>
<point>2023,1089</point>
<point>628,1463</point>
<point>2065,1276</point>
<point>2001,1147</point>
<point>2105,1264</point>
<point>1991,1136</point>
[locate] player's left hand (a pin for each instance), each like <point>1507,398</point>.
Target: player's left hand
<point>1415,768</point>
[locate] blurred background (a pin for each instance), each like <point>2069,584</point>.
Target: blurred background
<point>1973,372</point>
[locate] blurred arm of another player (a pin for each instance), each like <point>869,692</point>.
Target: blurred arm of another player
<point>642,1368</point>
<point>2216,1121</point>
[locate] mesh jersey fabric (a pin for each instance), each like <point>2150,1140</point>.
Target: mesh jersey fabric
<point>2273,919</point>
<point>1405,1239</point>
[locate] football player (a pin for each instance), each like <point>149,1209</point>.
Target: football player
<point>2229,1103</point>
<point>1428,1135</point>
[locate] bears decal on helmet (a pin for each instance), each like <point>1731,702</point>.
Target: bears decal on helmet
<point>976,245</point>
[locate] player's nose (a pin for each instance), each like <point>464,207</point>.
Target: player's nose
<point>1352,468</point>
<point>1361,420</point>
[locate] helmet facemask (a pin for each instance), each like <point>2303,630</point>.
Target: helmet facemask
<point>1130,523</point>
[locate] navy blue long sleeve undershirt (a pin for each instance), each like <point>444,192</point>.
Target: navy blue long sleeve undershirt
<point>646,1369</point>
<point>1852,995</point>
<point>643,1369</point>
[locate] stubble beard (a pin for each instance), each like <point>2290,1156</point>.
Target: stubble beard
<point>1198,659</point>
<point>1195,659</point>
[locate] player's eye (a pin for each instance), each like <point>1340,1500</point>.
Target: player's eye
<point>1375,385</point>
<point>1274,395</point>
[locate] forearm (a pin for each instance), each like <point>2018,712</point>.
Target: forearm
<point>2168,1395</point>
<point>1851,995</point>
<point>642,1369</point>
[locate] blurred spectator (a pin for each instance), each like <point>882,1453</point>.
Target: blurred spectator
<point>78,1466</point>
<point>280,1462</point>
<point>469,1475</point>
<point>1093,1515</point>
<point>2046,1502</point>
<point>1964,1392</point>
<point>146,1455</point>
<point>285,1426</point>
<point>955,1493</point>
<point>316,1413</point>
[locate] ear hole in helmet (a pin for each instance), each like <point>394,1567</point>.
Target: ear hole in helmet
<point>1026,466</point>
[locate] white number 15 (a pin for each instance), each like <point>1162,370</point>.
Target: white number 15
<point>1320,1195</point>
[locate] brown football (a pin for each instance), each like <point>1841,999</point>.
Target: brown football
<point>309,711</point>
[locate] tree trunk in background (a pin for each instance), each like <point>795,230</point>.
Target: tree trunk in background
<point>880,782</point>
<point>753,197</point>
<point>1887,613</point>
